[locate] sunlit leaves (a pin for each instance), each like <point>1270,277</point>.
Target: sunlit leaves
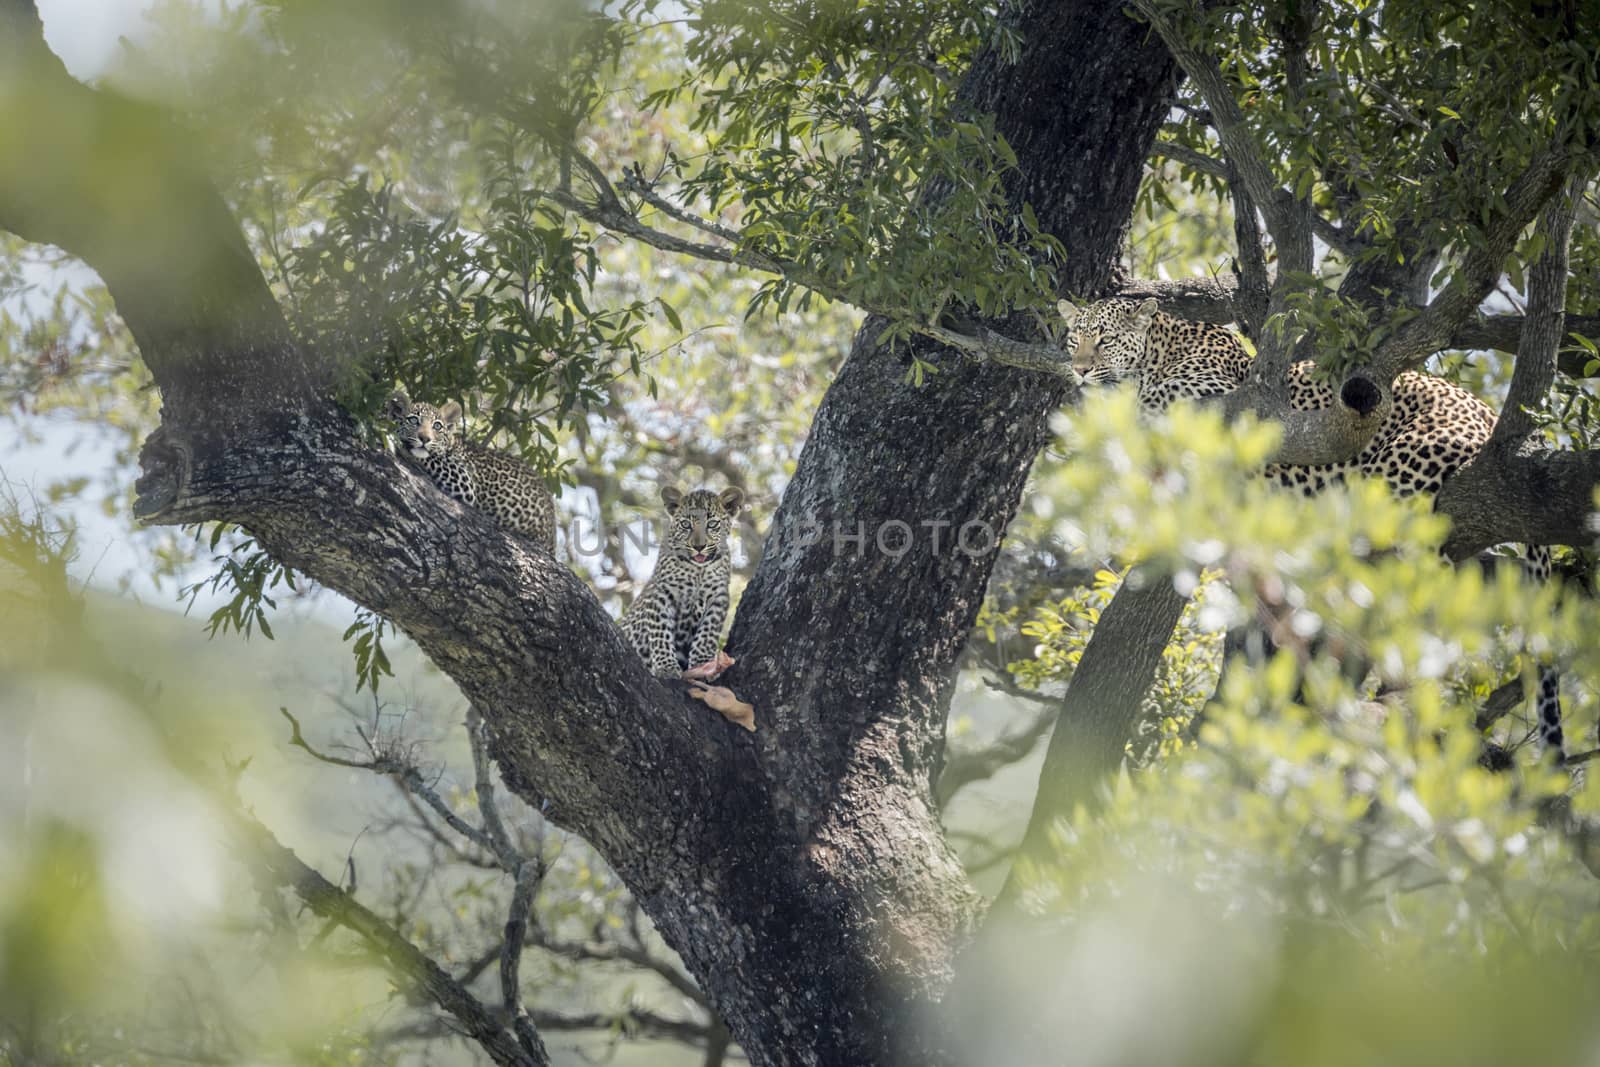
<point>1357,797</point>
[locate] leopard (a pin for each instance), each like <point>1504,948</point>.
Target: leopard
<point>1433,428</point>
<point>503,486</point>
<point>675,623</point>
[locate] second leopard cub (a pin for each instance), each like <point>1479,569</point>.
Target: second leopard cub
<point>675,623</point>
<point>513,493</point>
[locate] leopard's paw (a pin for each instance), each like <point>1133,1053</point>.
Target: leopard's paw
<point>708,670</point>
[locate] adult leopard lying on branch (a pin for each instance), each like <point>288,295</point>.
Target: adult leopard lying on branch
<point>1433,428</point>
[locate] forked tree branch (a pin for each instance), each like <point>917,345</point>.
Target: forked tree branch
<point>1287,220</point>
<point>409,965</point>
<point>1479,268</point>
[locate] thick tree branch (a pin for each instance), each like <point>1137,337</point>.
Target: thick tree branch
<point>1479,268</point>
<point>1526,495</point>
<point>1194,299</point>
<point>1544,321</point>
<point>611,951</point>
<point>1504,332</point>
<point>1103,703</point>
<point>1254,298</point>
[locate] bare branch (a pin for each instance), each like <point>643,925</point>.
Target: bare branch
<point>963,768</point>
<point>409,965</point>
<point>404,775</point>
<point>643,1023</point>
<point>633,181</point>
<point>602,952</point>
<point>528,877</point>
<point>511,858</point>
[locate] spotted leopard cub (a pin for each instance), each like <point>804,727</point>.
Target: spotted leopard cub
<point>675,623</point>
<point>510,491</point>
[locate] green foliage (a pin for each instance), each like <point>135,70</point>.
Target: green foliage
<point>372,662</point>
<point>1402,111</point>
<point>846,151</point>
<point>501,317</point>
<point>250,575</point>
<point>1301,786</point>
<point>1188,673</point>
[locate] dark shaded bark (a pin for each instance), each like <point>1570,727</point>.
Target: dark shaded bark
<point>800,871</point>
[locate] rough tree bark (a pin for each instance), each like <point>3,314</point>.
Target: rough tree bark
<point>800,871</point>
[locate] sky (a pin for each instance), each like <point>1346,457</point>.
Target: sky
<point>84,32</point>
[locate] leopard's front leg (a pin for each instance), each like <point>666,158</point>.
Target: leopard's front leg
<point>663,657</point>
<point>705,658</point>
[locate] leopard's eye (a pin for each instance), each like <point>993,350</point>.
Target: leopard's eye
<point>437,425</point>
<point>413,420</point>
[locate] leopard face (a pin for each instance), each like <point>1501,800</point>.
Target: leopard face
<point>423,429</point>
<point>698,524</point>
<point>1109,340</point>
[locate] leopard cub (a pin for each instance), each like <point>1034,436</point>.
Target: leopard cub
<point>675,623</point>
<point>510,491</point>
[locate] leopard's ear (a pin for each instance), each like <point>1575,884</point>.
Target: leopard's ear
<point>1069,312</point>
<point>450,412</point>
<point>732,499</point>
<point>671,498</point>
<point>399,404</point>
<point>1143,315</point>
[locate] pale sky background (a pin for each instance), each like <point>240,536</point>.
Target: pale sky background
<point>84,32</point>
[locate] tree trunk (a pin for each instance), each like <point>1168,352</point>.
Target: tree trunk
<point>800,871</point>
